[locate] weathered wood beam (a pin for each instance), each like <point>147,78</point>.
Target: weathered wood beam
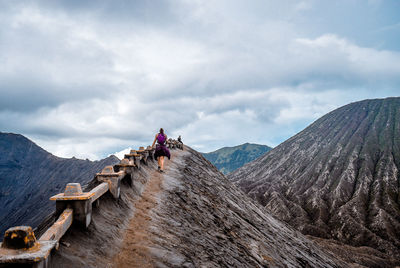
<point>60,227</point>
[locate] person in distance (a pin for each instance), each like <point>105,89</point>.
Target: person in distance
<point>161,149</point>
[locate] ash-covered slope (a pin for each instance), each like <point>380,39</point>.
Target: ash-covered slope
<point>339,178</point>
<point>189,216</point>
<point>29,176</point>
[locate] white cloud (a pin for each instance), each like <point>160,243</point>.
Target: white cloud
<point>121,154</point>
<point>304,5</point>
<point>88,80</point>
<point>346,59</point>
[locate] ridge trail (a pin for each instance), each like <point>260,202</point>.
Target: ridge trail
<point>134,251</point>
<point>190,216</point>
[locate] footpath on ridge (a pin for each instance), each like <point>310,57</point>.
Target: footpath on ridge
<point>81,232</point>
<point>134,251</point>
<point>189,216</point>
<point>192,216</point>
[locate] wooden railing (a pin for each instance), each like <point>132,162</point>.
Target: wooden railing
<point>73,206</point>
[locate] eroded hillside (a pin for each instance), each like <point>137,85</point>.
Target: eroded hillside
<point>338,179</point>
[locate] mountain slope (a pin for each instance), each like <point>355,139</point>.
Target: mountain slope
<point>339,178</point>
<point>189,216</point>
<point>29,176</point>
<point>228,159</point>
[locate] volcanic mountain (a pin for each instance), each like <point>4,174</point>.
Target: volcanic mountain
<point>228,159</point>
<point>189,216</point>
<point>337,179</point>
<point>29,176</point>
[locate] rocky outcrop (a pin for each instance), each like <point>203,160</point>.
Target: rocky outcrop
<point>228,159</point>
<point>337,179</point>
<point>189,216</point>
<point>29,176</point>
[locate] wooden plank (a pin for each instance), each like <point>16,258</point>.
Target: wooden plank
<point>99,190</point>
<point>58,229</point>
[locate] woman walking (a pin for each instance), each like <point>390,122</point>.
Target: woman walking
<point>161,149</point>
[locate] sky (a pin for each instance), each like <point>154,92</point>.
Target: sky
<point>90,78</point>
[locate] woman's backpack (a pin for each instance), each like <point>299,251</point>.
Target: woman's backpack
<point>161,138</point>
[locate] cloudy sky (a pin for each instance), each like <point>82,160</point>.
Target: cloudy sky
<point>90,78</point>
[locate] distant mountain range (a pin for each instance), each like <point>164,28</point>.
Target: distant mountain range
<point>29,176</point>
<point>337,179</point>
<point>228,159</point>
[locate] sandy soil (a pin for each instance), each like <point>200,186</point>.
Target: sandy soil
<point>134,250</point>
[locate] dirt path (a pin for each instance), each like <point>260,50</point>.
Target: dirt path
<point>134,249</point>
